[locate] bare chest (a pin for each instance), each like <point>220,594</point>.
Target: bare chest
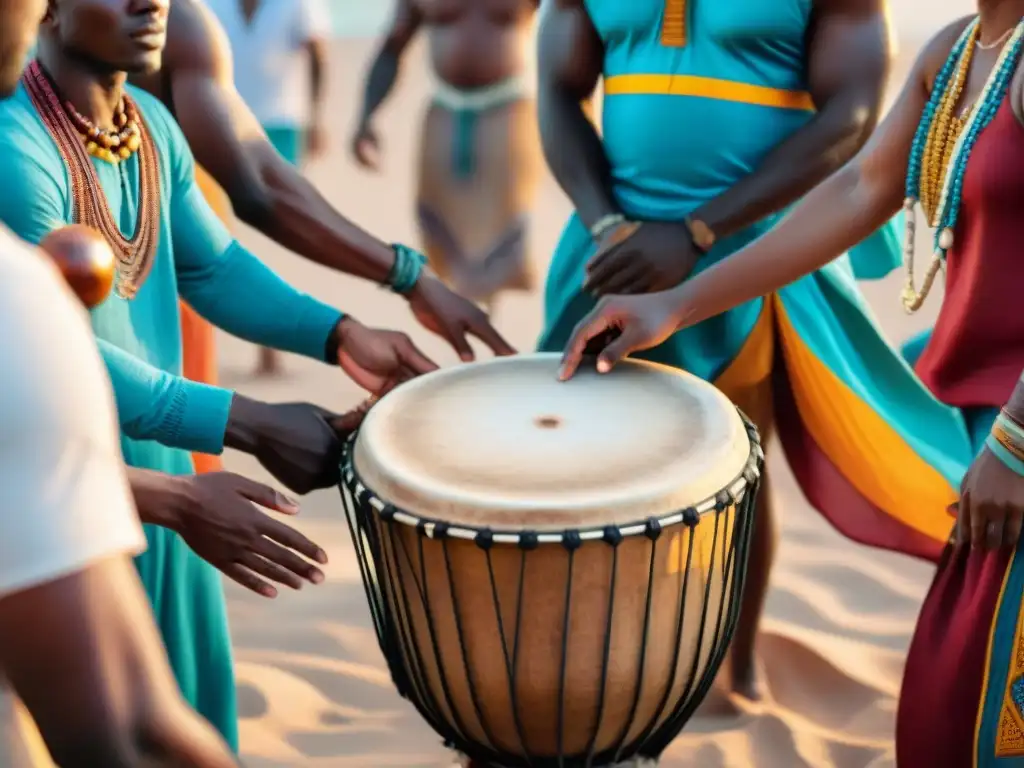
<point>443,12</point>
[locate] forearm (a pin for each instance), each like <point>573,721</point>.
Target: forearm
<point>837,215</point>
<point>292,212</point>
<point>241,295</point>
<point>171,410</point>
<point>379,82</point>
<point>792,169</point>
<point>575,154</point>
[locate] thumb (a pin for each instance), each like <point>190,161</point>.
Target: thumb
<point>617,350</point>
<point>409,354</point>
<point>265,496</point>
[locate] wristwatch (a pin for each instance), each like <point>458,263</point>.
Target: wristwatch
<point>701,234</point>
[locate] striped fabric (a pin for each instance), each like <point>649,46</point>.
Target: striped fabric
<point>673,24</point>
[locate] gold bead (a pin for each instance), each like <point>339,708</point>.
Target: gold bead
<point>124,153</point>
<point>91,147</point>
<point>134,142</point>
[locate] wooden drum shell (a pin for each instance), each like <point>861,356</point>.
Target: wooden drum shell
<point>549,646</point>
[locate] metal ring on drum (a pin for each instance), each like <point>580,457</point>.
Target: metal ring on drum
<point>553,569</point>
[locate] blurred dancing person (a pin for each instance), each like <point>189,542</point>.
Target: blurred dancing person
<point>480,160</point>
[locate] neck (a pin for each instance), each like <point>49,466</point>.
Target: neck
<point>94,90</point>
<point>997,16</point>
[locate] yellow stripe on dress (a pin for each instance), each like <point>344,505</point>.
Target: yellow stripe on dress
<point>858,441</point>
<point>707,88</point>
<point>673,24</point>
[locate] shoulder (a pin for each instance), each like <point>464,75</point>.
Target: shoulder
<point>195,36</point>
<point>23,136</point>
<point>935,52</point>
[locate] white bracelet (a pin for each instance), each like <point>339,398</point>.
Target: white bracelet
<point>606,223</point>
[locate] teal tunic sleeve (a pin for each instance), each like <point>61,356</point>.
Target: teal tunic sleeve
<point>171,410</point>
<point>227,284</point>
<point>151,404</point>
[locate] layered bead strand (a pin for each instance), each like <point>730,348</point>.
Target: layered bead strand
<point>941,149</point>
<point>945,130</point>
<point>110,146</point>
<point>135,254</point>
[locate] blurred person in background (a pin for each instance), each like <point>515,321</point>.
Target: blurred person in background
<point>280,53</point>
<point>480,158</point>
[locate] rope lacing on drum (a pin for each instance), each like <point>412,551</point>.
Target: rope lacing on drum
<point>398,588</point>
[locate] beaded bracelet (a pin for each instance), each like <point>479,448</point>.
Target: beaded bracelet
<point>406,270</point>
<point>1006,441</point>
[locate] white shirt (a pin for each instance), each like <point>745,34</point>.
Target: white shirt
<point>272,68</point>
<point>64,497</point>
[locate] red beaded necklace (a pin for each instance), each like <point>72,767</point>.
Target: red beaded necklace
<point>135,255</point>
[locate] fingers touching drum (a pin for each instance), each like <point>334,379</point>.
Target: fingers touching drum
<point>553,569</point>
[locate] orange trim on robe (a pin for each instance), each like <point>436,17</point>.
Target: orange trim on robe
<point>862,444</point>
<point>853,437</point>
<point>199,351</point>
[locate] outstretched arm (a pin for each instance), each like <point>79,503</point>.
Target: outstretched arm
<point>570,59</point>
<point>384,70</point>
<point>848,66</point>
<point>224,282</point>
<point>271,195</point>
<point>266,191</point>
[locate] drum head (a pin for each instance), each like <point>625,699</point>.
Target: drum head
<point>504,444</point>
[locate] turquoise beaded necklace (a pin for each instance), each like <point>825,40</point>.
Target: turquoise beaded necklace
<point>988,103</point>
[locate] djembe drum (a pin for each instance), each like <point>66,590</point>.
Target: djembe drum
<point>553,569</point>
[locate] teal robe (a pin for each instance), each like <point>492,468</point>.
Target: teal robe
<point>163,416</point>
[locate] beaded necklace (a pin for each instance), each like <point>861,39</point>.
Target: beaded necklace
<point>942,146</point>
<point>89,203</point>
<point>110,146</point>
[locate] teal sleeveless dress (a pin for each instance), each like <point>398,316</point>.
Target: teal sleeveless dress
<point>682,123</point>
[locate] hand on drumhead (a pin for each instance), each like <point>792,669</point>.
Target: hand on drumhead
<point>454,318</point>
<point>376,360</point>
<point>219,516</point>
<point>620,325</point>
<point>991,508</point>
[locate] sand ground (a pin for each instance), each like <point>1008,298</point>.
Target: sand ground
<point>314,687</point>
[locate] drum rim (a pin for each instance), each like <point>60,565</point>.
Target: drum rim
<point>434,528</point>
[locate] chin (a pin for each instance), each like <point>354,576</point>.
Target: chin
<point>145,63</point>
